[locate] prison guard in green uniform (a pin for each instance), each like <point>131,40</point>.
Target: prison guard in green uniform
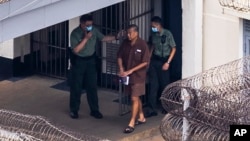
<point>84,70</point>
<point>163,50</point>
<point>162,44</point>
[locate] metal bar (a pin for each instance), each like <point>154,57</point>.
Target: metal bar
<point>106,23</point>
<point>54,56</point>
<point>111,25</point>
<point>142,14</point>
<point>50,50</point>
<point>40,38</point>
<point>60,54</point>
<point>46,43</point>
<point>66,46</point>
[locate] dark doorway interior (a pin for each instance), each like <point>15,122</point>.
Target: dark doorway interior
<point>172,19</point>
<point>49,50</point>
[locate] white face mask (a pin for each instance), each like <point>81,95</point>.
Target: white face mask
<point>154,29</point>
<point>89,28</point>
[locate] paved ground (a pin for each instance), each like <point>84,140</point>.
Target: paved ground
<point>34,96</point>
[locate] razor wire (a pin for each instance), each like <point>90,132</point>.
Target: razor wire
<point>239,5</point>
<point>20,127</point>
<point>218,98</point>
<point>3,1</point>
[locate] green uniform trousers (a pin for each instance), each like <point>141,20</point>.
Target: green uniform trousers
<point>83,73</point>
<point>158,80</point>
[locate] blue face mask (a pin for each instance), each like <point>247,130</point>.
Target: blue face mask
<point>154,29</point>
<point>89,28</point>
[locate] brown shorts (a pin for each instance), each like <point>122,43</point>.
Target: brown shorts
<point>135,89</point>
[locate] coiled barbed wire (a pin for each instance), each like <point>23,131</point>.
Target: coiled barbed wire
<point>218,98</point>
<point>19,127</point>
<point>239,5</point>
<point>3,1</point>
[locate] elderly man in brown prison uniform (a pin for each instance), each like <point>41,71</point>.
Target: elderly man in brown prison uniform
<point>133,58</point>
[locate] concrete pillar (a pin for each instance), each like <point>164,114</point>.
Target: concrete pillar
<point>22,47</point>
<point>6,49</point>
<point>73,23</point>
<point>192,37</point>
<point>6,59</point>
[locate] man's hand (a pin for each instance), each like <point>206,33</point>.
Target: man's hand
<point>125,73</point>
<point>82,44</point>
<point>88,35</point>
<point>121,34</point>
<point>165,66</point>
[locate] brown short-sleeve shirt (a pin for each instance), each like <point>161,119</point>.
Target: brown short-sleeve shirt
<point>132,56</point>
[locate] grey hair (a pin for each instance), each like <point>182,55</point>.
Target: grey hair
<point>134,26</point>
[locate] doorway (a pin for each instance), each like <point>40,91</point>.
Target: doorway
<point>172,20</point>
<point>49,50</point>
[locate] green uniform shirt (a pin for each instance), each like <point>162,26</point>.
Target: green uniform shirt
<point>78,34</point>
<point>162,50</point>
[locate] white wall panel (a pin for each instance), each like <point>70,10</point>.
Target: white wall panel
<point>48,15</point>
<point>6,49</point>
<point>16,7</point>
<point>192,37</point>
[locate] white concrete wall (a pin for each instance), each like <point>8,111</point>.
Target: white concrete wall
<point>6,49</point>
<point>222,36</point>
<point>192,37</point>
<point>15,47</point>
<point>73,23</point>
<point>210,37</point>
<point>22,46</point>
<point>47,15</point>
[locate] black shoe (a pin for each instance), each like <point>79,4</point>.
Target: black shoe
<point>74,115</point>
<point>150,114</point>
<point>96,114</point>
<point>128,130</point>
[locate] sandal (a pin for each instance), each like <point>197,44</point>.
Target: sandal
<point>138,122</point>
<point>128,129</point>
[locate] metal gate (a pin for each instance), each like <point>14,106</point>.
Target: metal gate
<point>49,50</point>
<point>49,46</point>
<point>110,20</point>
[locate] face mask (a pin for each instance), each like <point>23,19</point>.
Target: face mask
<point>89,28</point>
<point>154,29</point>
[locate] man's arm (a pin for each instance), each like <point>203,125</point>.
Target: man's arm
<point>121,34</point>
<point>136,68</point>
<point>171,56</point>
<point>108,38</point>
<point>82,44</point>
<point>121,69</point>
